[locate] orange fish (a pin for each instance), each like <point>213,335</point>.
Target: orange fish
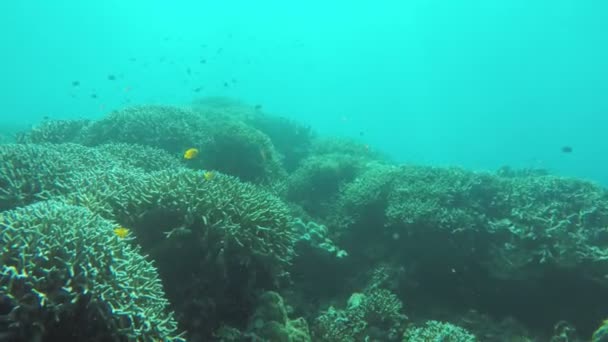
<point>191,153</point>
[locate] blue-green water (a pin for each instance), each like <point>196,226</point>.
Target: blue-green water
<point>186,207</point>
<point>478,84</point>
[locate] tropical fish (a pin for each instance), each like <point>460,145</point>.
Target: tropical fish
<point>191,153</point>
<point>121,232</point>
<point>566,149</point>
<point>208,175</point>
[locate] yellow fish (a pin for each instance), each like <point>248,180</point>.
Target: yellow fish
<point>121,232</point>
<point>208,175</point>
<point>191,153</point>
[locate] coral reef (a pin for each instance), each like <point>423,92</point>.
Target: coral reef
<point>487,251</point>
<point>217,240</point>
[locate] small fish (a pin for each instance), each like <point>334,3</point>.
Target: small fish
<point>121,232</point>
<point>111,77</point>
<point>93,96</point>
<point>208,175</point>
<point>566,149</point>
<point>203,61</point>
<point>226,84</point>
<point>189,71</point>
<point>258,107</point>
<point>75,83</point>
<point>196,90</point>
<point>191,153</point>
<point>361,133</point>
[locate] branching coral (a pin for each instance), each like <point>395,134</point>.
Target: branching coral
<point>251,222</point>
<point>169,128</point>
<point>374,314</point>
<point>438,331</point>
<point>215,240</point>
<point>30,172</point>
<point>63,263</point>
<point>56,132</point>
<point>242,151</point>
<point>553,220</point>
<point>315,185</point>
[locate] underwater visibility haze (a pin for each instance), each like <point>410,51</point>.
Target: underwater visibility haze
<point>319,171</point>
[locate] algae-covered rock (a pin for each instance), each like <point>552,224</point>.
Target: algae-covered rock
<point>271,323</point>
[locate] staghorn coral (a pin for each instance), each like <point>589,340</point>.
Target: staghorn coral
<point>30,172</point>
<point>291,139</point>
<point>55,132</point>
<point>445,198</point>
<point>338,325</point>
<point>530,220</point>
<point>170,128</point>
<point>64,273</point>
<point>552,221</point>
<point>438,331</point>
<point>375,314</point>
<point>517,234</point>
<point>227,144</point>
<point>251,222</point>
<point>315,185</point>
<point>366,197</point>
<point>215,241</point>
<point>344,146</point>
<point>142,157</point>
<point>242,151</point>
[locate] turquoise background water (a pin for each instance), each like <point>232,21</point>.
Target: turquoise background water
<point>478,84</point>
